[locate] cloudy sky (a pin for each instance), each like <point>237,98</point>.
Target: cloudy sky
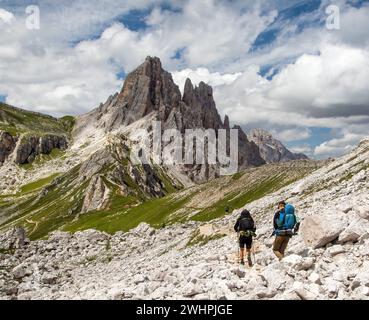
<point>290,67</point>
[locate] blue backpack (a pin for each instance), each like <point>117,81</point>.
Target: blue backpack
<point>287,219</point>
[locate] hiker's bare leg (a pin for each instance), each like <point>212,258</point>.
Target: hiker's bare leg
<point>242,253</point>
<point>249,257</point>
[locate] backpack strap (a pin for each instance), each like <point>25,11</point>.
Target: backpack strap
<point>279,223</point>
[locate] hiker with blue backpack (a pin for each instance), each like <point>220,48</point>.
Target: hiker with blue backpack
<point>285,225</point>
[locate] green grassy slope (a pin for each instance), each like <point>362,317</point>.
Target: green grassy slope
<point>59,202</point>
<point>55,202</point>
<point>18,121</point>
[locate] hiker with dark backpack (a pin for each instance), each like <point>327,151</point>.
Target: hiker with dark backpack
<point>285,225</point>
<point>245,227</point>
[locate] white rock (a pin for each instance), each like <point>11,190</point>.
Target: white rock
<point>315,278</point>
<point>191,290</point>
<point>298,262</point>
<point>332,286</point>
<point>21,271</point>
<point>320,229</point>
<point>336,249</point>
<point>299,289</point>
<point>354,231</point>
<point>364,291</point>
<point>139,278</point>
<point>362,211</point>
<point>275,277</point>
<point>362,277</point>
<point>339,276</point>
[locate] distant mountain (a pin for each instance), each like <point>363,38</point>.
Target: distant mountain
<point>271,149</point>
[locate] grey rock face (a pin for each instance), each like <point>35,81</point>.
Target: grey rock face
<point>29,147</point>
<point>248,152</point>
<point>122,175</point>
<point>271,149</point>
<point>97,195</point>
<point>7,145</point>
<point>199,110</point>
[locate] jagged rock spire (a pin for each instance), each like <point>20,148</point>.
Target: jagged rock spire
<point>226,122</point>
<point>188,92</point>
<point>149,87</point>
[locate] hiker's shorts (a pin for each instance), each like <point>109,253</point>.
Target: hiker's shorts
<point>280,243</point>
<point>245,241</point>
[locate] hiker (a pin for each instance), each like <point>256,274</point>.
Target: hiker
<point>284,222</point>
<point>245,227</point>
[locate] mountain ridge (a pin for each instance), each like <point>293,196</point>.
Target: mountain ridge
<point>271,149</point>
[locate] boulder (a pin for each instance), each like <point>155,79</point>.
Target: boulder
<point>92,235</point>
<point>21,271</point>
<point>239,272</point>
<point>275,277</point>
<point>297,262</point>
<point>354,231</point>
<point>49,278</point>
<point>143,227</point>
<point>320,229</point>
<point>13,239</point>
<point>191,290</point>
<point>362,211</point>
<point>139,278</point>
<point>315,278</point>
<point>362,277</point>
<point>336,249</point>
<point>332,287</point>
<point>302,292</point>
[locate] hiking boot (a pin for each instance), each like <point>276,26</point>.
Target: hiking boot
<point>279,255</point>
<point>242,262</point>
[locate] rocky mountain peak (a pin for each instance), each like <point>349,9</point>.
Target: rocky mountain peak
<point>226,122</point>
<point>201,103</point>
<point>271,149</point>
<point>149,87</point>
<point>260,134</point>
<point>188,92</point>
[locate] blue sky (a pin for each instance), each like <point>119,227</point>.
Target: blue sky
<point>272,64</point>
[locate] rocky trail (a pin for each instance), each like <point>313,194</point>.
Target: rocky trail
<point>328,259</point>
